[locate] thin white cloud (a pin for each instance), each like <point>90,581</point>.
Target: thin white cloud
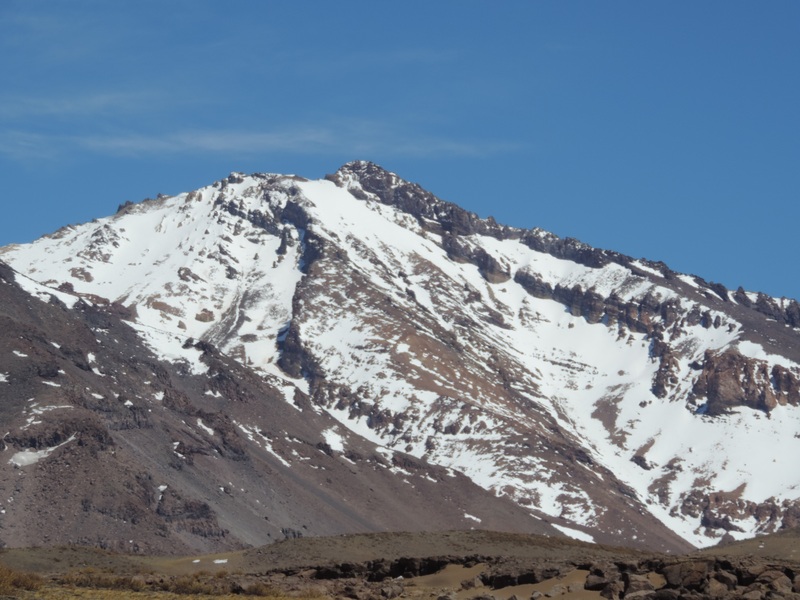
<point>23,145</point>
<point>208,141</point>
<point>363,138</point>
<point>90,104</point>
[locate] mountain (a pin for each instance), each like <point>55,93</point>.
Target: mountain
<point>355,354</point>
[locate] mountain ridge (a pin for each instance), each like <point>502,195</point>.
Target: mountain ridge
<point>539,367</point>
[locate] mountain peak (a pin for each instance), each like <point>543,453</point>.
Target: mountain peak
<point>364,178</point>
<point>359,166</point>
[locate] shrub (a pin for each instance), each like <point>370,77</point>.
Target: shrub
<point>12,581</point>
<point>259,588</point>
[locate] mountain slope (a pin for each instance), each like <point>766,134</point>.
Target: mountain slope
<point>106,445</point>
<point>608,392</point>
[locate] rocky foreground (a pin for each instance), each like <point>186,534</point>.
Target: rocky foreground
<point>446,566</point>
<point>487,577</point>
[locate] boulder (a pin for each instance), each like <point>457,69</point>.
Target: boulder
<point>469,584</point>
<point>640,595</point>
<point>748,573</point>
<point>636,583</point>
<point>775,580</point>
<point>613,590</point>
<point>726,578</point>
<point>755,591</point>
<point>691,575</point>
<point>600,575</point>
<point>716,588</point>
<point>596,583</point>
<point>391,591</point>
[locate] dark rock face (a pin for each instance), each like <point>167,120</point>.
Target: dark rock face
<point>719,510</point>
<point>6,273</point>
<point>642,316</point>
<point>788,314</point>
<point>414,200</point>
<point>488,266</point>
<point>729,380</point>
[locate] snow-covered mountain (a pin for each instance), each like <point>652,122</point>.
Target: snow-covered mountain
<point>622,401</point>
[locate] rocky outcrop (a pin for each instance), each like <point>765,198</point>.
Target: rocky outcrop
<point>642,315</point>
<point>488,266</point>
<point>430,211</point>
<point>6,273</point>
<point>728,511</point>
<point>786,312</point>
<point>692,578</point>
<point>450,219</point>
<point>729,380</point>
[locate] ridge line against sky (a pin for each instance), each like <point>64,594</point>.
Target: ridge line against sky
<point>665,131</point>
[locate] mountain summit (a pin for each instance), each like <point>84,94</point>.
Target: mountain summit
<point>489,375</point>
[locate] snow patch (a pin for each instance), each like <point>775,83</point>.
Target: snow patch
<point>575,534</point>
<point>753,350</point>
<point>334,440</point>
<point>257,437</point>
<point>473,517</point>
<point>689,280</point>
<point>31,457</point>
<point>643,267</point>
<point>204,427</point>
<point>44,293</point>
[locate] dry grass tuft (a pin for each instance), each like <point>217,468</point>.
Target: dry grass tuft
<point>201,584</point>
<point>12,581</point>
<point>63,593</point>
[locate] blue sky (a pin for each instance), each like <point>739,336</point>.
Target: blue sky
<point>665,130</point>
